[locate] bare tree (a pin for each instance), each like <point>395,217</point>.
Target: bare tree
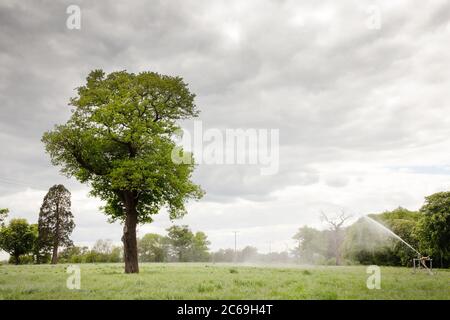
<point>335,225</point>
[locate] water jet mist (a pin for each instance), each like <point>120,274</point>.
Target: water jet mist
<point>389,231</point>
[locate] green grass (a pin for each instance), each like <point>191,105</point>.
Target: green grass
<point>209,281</point>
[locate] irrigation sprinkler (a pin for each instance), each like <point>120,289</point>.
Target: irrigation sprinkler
<point>235,245</point>
<point>419,262</point>
<point>422,261</point>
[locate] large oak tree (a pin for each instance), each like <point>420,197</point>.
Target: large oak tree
<point>119,139</point>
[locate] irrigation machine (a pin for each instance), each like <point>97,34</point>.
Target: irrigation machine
<point>422,262</point>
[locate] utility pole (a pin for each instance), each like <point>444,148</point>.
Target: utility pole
<point>235,245</point>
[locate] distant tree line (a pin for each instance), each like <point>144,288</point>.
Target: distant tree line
<point>102,251</point>
<point>180,245</point>
<point>427,230</point>
<point>250,254</point>
<point>39,243</point>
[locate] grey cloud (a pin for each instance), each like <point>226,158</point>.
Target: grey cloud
<point>304,80</point>
<point>337,181</point>
<point>228,182</point>
<point>339,92</point>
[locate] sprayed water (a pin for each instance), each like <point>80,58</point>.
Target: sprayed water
<point>391,233</point>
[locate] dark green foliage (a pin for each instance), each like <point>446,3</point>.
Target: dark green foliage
<point>199,247</point>
<point>3,215</point>
<point>365,244</point>
<point>180,239</point>
<point>23,259</point>
<point>181,245</point>
<point>119,139</point>
<point>55,223</point>
<point>186,246</point>
<point>153,248</point>
<point>427,230</point>
<point>434,228</point>
<point>18,238</point>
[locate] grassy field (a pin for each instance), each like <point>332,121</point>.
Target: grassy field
<point>208,281</point>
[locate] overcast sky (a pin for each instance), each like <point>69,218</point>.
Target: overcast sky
<point>359,91</point>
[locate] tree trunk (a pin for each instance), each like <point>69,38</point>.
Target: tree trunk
<point>55,254</point>
<point>130,251</point>
<point>16,259</point>
<point>337,246</point>
<point>56,237</point>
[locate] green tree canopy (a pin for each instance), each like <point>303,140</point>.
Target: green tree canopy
<point>119,139</point>
<point>312,244</point>
<point>55,223</point>
<point>18,238</point>
<point>200,250</point>
<point>180,239</point>
<point>152,248</point>
<point>434,227</point>
<point>367,243</point>
<point>3,215</point>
